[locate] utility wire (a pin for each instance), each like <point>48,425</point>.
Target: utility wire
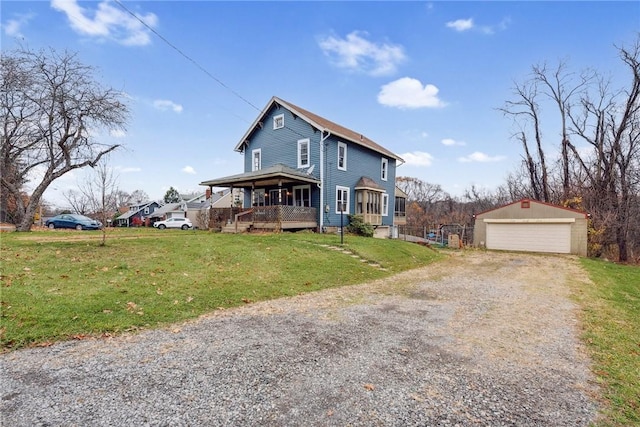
<point>187,57</point>
<point>194,62</point>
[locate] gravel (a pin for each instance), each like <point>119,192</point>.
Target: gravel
<point>487,339</point>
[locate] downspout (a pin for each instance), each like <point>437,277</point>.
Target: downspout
<point>322,189</point>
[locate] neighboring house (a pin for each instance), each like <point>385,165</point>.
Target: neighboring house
<point>198,207</point>
<point>137,214</point>
<point>304,171</point>
<point>170,210</point>
<point>532,226</point>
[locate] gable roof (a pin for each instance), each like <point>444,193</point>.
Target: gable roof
<point>533,201</point>
<point>319,123</point>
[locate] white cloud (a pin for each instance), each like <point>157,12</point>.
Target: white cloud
<point>417,158</point>
<point>164,105</point>
<point>108,22</point>
<point>189,170</point>
<point>356,53</point>
<point>13,27</point>
<point>408,93</point>
<point>450,142</point>
<point>480,158</point>
<point>461,24</point>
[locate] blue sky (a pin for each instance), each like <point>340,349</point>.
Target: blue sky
<point>423,79</point>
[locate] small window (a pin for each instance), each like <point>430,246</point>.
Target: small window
<point>342,199</point>
<point>146,211</point>
<point>278,121</point>
<point>303,153</point>
<point>256,156</point>
<point>385,204</point>
<point>384,169</point>
<point>525,204</point>
<point>342,156</point>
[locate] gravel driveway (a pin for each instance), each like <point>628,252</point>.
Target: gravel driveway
<point>479,339</point>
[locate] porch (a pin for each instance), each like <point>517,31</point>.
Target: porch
<point>274,218</point>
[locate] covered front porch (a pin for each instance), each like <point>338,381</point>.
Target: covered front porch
<point>275,198</point>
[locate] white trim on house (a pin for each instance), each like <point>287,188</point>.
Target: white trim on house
<point>299,190</point>
<point>341,194</point>
<point>384,169</point>
<point>278,121</point>
<point>256,165</point>
<point>385,204</point>
<point>303,153</point>
<point>344,158</point>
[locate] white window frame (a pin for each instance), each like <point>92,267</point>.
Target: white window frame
<point>385,204</point>
<point>295,194</point>
<point>384,169</point>
<point>344,166</point>
<point>259,197</point>
<point>278,121</point>
<point>257,151</point>
<point>345,191</point>
<point>301,143</point>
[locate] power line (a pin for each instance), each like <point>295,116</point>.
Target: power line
<point>187,57</point>
<point>200,67</point>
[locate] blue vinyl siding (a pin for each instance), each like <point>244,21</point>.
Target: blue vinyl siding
<point>281,146</point>
<point>360,162</point>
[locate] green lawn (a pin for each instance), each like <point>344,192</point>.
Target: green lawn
<point>56,284</point>
<point>611,317</point>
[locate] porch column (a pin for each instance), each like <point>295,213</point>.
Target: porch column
<point>279,226</point>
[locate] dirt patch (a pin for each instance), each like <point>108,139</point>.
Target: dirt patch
<point>479,339</point>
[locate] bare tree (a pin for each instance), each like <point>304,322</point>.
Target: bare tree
<point>525,111</point>
<point>599,148</point>
<point>609,122</point>
<point>78,201</point>
<point>105,190</point>
<point>51,108</point>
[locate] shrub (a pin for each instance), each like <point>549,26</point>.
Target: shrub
<point>359,227</point>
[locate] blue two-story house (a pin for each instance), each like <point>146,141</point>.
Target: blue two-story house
<point>304,171</point>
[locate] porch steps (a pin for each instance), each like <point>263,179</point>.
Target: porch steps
<point>231,228</point>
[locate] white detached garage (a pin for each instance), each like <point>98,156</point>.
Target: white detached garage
<point>532,226</point>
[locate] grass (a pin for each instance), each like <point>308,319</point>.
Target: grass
<point>57,285</point>
<point>611,317</point>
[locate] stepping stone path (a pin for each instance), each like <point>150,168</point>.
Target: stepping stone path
<point>353,255</point>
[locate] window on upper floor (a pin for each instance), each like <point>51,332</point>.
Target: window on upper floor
<point>342,156</point>
<point>342,199</point>
<point>278,121</point>
<point>384,169</point>
<point>385,204</point>
<point>256,159</point>
<point>303,153</point>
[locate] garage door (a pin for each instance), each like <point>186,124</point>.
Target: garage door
<point>554,238</point>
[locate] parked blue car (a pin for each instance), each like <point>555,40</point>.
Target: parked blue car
<point>79,222</point>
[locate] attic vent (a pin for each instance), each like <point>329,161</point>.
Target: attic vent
<point>525,204</point>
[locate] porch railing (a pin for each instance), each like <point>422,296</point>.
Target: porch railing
<point>280,216</point>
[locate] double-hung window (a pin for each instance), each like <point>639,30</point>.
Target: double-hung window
<point>342,156</point>
<point>256,159</point>
<point>303,153</point>
<point>385,204</point>
<point>278,121</point>
<point>342,199</point>
<point>384,169</point>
